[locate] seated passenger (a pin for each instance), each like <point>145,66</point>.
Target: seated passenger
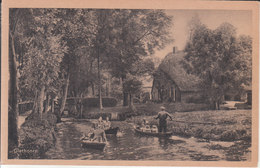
<point>154,128</point>
<point>99,134</point>
<point>107,123</point>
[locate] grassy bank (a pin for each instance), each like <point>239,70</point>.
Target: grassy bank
<point>224,125</point>
<point>221,125</point>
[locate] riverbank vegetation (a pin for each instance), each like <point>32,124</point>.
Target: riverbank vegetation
<point>213,125</point>
<point>223,125</point>
<point>36,136</point>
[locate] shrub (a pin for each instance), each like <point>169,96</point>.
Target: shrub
<point>229,135</point>
<point>182,132</point>
<point>92,102</point>
<point>109,102</point>
<point>246,122</point>
<point>215,147</point>
<point>36,136</point>
<point>226,121</point>
<point>97,115</point>
<point>186,107</point>
<point>198,133</point>
<point>216,130</point>
<point>196,100</point>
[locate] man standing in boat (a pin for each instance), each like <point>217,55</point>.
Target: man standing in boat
<point>162,116</point>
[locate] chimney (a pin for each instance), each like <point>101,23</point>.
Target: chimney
<point>174,50</point>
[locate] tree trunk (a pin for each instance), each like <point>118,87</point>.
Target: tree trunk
<point>81,110</point>
<point>108,86</point>
<point>81,105</point>
<point>46,103</point>
<point>52,106</point>
<point>93,88</point>
<point>13,105</point>
<point>35,104</point>
<point>64,97</point>
<point>40,101</point>
<point>125,94</point>
<point>131,101</point>
<point>99,83</point>
<point>125,99</point>
<point>217,105</point>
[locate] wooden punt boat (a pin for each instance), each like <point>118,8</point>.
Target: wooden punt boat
<point>93,144</point>
<point>155,134</point>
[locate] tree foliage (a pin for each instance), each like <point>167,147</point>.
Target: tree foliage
<point>220,58</point>
<point>45,51</point>
<point>65,51</point>
<point>136,34</point>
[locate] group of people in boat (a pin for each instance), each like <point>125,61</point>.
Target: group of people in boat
<point>98,128</point>
<point>162,116</point>
<point>98,131</point>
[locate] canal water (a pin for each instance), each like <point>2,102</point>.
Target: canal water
<point>132,146</point>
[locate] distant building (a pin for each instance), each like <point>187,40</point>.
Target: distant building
<point>172,83</point>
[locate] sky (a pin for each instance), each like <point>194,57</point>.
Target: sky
<point>212,18</point>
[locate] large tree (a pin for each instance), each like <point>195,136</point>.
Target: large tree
<point>78,27</point>
<point>19,21</point>
<point>45,51</point>
<point>220,58</point>
<point>135,34</point>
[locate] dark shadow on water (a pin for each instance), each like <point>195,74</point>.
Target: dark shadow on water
<point>166,143</point>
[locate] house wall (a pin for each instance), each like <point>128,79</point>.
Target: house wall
<point>155,96</point>
<point>165,90</point>
<point>171,93</point>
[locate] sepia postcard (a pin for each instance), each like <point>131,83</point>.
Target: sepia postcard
<point>130,83</point>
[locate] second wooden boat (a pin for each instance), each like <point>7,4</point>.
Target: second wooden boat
<point>150,133</point>
<point>93,144</point>
<point>112,130</point>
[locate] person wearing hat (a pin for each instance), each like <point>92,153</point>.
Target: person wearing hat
<point>162,116</point>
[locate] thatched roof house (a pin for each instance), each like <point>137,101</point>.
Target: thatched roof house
<point>172,82</point>
<point>172,65</point>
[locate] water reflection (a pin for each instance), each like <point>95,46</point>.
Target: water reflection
<point>130,146</point>
<point>166,143</point>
